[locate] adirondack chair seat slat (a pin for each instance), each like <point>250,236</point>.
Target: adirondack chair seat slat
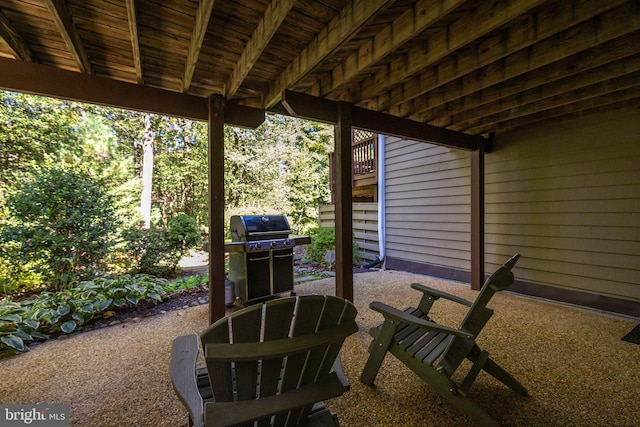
<point>435,352</point>
<point>273,363</point>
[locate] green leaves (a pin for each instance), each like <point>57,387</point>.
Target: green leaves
<point>14,343</point>
<point>68,310</point>
<point>63,218</point>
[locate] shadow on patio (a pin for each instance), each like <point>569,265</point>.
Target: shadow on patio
<point>576,367</point>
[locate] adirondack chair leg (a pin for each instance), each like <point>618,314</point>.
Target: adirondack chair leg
<point>378,350</point>
<point>496,371</point>
<point>443,385</point>
<point>468,407</point>
<point>478,365</point>
<point>504,377</point>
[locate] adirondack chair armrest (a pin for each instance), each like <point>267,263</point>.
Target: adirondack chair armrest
<point>184,355</point>
<point>440,294</point>
<point>400,316</point>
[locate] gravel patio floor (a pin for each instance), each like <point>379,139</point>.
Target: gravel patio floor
<point>577,369</point>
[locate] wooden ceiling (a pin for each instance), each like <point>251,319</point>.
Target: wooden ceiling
<point>476,66</point>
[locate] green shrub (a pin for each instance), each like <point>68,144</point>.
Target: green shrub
<point>150,252</point>
<point>16,278</point>
<point>323,239</point>
<point>183,233</point>
<point>58,221</point>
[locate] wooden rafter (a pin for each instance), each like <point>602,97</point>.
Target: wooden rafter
<point>203,14</point>
<point>20,49</point>
<point>135,41</point>
<point>458,34</point>
<point>324,110</point>
<point>273,17</point>
<point>405,100</point>
<point>61,16</point>
<point>596,51</point>
<point>484,107</point>
<point>587,108</point>
<point>414,21</point>
<point>587,100</point>
<point>339,31</point>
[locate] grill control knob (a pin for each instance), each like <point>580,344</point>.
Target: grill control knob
<point>274,244</point>
<point>287,242</point>
<point>258,245</point>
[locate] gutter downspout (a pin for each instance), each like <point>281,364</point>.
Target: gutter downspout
<point>381,202</point>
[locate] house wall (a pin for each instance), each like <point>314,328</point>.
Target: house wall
<point>427,194</point>
<point>567,197</point>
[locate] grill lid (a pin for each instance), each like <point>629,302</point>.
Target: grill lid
<point>253,227</point>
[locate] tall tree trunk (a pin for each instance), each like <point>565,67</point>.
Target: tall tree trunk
<point>147,171</point>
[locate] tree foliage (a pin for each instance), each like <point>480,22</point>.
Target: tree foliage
<point>281,167</point>
<point>93,155</point>
<point>60,220</point>
<point>35,129</point>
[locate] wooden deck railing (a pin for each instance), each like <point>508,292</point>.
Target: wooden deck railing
<point>364,154</point>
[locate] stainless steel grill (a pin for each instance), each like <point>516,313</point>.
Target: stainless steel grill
<point>261,255</point>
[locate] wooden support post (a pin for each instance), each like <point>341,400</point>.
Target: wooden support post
<point>477,216</point>
<point>216,208</point>
<point>344,209</point>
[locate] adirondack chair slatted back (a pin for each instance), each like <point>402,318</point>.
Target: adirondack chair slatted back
<point>434,351</point>
<point>477,316</point>
<point>277,320</point>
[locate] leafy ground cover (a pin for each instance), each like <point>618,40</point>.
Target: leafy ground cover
<point>63,312</point>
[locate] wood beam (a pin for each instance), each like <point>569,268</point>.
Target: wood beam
<point>608,101</point>
<point>320,109</point>
<point>477,217</point>
<point>216,208</point>
<point>420,16</point>
<point>397,126</point>
<point>135,40</point>
<point>344,208</point>
<point>465,30</point>
<point>43,80</point>
<point>557,94</point>
<point>339,31</point>
<point>589,110</point>
<point>19,47</point>
<point>609,60</point>
<point>242,116</point>
<point>61,16</point>
<point>310,107</point>
<point>546,22</point>
<point>274,15</point>
<point>575,41</point>
<point>203,14</point>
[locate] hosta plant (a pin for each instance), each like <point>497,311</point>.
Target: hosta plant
<point>68,310</point>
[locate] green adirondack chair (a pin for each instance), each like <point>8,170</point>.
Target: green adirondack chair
<point>434,352</point>
<point>273,363</point>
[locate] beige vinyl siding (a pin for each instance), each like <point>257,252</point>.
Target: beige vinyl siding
<point>427,204</point>
<point>567,197</point>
